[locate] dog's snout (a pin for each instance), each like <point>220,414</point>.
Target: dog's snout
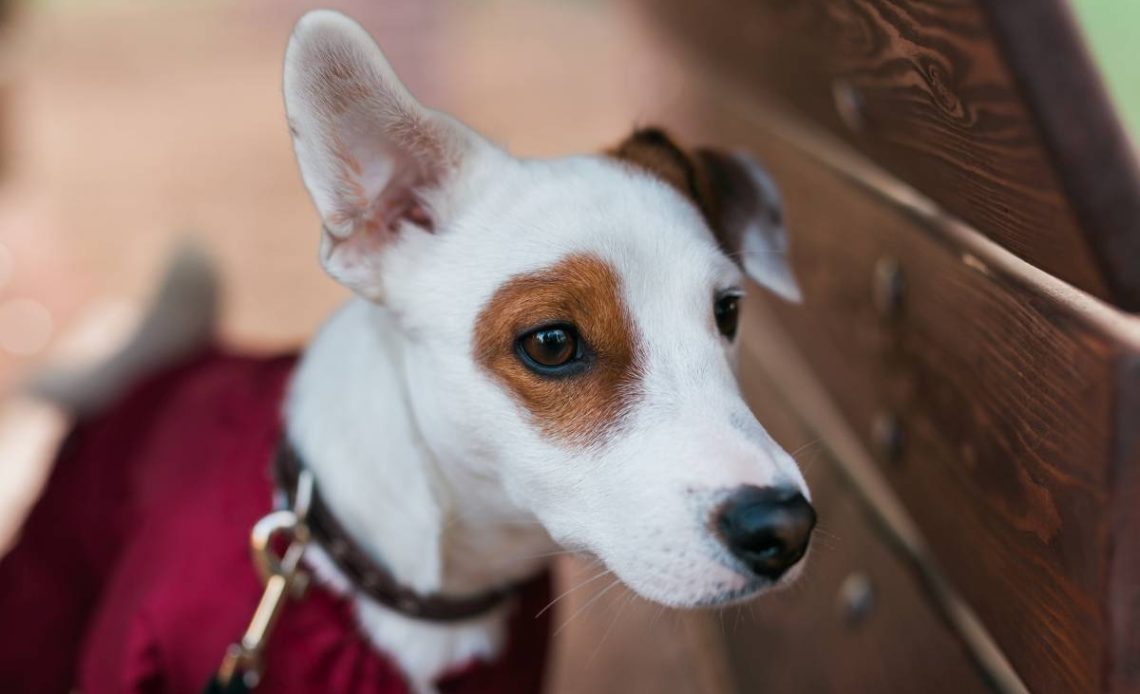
<point>767,528</point>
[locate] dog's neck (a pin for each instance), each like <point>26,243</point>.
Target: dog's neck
<point>433,524</point>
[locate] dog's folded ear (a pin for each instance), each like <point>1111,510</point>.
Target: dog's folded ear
<point>735,195</point>
<point>745,210</point>
<point>375,161</point>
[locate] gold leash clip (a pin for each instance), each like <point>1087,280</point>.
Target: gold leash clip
<point>282,576</point>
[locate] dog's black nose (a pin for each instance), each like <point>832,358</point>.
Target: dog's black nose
<point>767,528</point>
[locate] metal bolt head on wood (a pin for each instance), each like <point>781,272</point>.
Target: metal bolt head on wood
<point>887,437</point>
<point>888,287</point>
<point>856,598</point>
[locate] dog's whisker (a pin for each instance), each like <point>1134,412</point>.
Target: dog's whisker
<point>617,613</point>
<point>588,603</point>
<point>825,533</point>
<point>824,542</point>
<point>819,529</point>
<point>525,558</point>
<point>545,555</point>
<point>807,465</point>
<point>823,546</point>
<point>806,446</point>
<point>752,613</point>
<point>571,590</point>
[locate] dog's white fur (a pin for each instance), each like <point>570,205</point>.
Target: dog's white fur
<point>426,459</point>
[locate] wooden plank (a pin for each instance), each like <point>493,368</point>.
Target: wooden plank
<point>856,620</point>
<point>928,90</point>
<point>768,353</point>
<point>1008,392</point>
<point>1122,661</point>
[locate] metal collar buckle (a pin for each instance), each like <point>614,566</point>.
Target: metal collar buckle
<point>283,577</point>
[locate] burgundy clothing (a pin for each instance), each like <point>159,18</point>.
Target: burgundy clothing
<point>132,573</point>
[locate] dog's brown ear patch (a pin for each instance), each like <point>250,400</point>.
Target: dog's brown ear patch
<point>653,151</point>
<point>584,291</point>
<point>700,176</point>
<point>735,195</point>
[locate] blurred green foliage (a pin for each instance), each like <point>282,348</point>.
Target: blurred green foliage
<point>1112,28</point>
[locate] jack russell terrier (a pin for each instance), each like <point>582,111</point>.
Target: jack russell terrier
<point>540,355</point>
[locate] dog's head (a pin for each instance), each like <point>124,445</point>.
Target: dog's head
<point>569,324</point>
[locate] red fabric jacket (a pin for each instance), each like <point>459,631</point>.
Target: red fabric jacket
<point>132,573</point>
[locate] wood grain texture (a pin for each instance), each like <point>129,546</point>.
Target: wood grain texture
<point>928,90</point>
<point>806,639</point>
<point>1089,147</point>
<point>1018,463</point>
<point>1122,661</point>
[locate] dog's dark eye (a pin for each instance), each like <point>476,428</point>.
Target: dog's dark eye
<point>726,310</point>
<point>550,350</point>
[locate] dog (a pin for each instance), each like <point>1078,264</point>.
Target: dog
<point>540,356</point>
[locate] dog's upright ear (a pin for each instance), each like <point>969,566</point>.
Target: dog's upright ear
<point>375,161</point>
<point>738,199</point>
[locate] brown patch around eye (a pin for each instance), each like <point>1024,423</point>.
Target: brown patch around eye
<point>582,291</point>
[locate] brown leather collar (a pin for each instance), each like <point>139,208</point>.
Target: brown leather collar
<point>371,578</point>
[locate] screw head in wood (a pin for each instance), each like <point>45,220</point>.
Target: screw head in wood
<point>856,598</point>
<point>887,437</point>
<point>888,287</point>
<point>849,104</point>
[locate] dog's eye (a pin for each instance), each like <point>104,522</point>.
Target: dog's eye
<point>548,350</point>
<point>726,310</point>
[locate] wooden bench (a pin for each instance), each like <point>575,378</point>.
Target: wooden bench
<point>964,213</point>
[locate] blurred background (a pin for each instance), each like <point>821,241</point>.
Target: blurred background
<point>1110,28</point>
<point>128,125</point>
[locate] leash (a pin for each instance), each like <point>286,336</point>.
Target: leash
<point>283,577</point>
<point>309,519</point>
<point>372,578</point>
